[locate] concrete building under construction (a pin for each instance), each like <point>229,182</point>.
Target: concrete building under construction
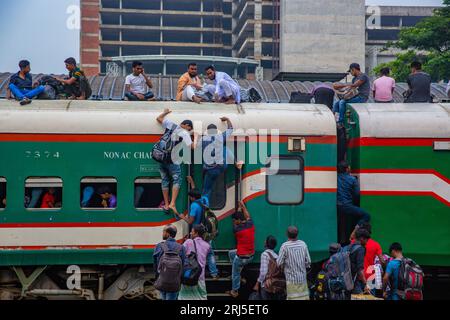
<point>249,39</point>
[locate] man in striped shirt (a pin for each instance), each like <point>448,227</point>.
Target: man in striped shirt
<point>294,259</point>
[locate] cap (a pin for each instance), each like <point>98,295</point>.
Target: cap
<point>354,66</point>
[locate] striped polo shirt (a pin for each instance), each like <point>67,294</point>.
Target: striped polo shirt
<point>294,257</point>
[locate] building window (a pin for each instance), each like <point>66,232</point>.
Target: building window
<point>285,180</point>
<point>2,193</point>
<point>43,193</point>
<point>98,193</point>
<point>147,193</point>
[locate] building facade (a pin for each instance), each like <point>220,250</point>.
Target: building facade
<point>261,39</point>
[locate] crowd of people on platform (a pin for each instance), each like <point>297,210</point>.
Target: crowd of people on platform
<point>181,268</point>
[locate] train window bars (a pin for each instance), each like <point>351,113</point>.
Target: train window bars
<point>43,193</point>
<point>98,193</point>
<point>2,193</point>
<point>147,193</point>
<point>285,180</point>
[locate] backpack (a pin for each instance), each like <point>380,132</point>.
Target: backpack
<point>85,86</point>
<point>210,222</point>
<point>275,280</point>
<point>339,271</point>
<point>161,151</point>
<point>410,280</point>
<point>170,268</point>
<point>192,269</point>
<point>321,286</point>
<point>300,97</point>
<point>53,83</point>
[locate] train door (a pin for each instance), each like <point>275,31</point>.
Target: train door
<point>225,194</point>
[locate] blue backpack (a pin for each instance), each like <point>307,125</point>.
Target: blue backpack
<point>192,269</point>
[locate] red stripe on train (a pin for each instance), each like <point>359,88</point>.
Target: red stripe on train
<point>394,142</point>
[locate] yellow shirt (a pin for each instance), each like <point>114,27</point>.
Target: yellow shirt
<point>184,81</point>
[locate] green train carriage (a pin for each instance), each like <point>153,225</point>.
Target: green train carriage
<point>72,145</point>
<point>401,153</point>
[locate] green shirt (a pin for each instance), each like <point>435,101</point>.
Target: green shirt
<point>77,73</point>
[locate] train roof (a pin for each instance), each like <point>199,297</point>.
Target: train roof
<point>400,120</point>
<point>124,117</point>
<point>108,87</point>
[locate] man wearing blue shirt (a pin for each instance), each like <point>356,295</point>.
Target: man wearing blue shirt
<point>348,191</point>
<point>21,84</point>
<point>195,216</point>
<point>392,271</point>
<point>214,164</point>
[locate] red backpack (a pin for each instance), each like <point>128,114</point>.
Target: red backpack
<point>410,280</point>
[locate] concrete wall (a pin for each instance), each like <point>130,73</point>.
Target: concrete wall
<point>321,36</point>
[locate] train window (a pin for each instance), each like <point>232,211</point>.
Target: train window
<point>98,193</point>
<point>285,180</point>
<point>43,193</point>
<point>218,197</point>
<point>147,193</point>
<point>2,193</point>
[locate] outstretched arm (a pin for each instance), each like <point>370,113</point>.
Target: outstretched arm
<point>244,210</point>
<point>163,115</point>
<point>229,124</point>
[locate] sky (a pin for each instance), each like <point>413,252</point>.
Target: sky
<point>45,33</point>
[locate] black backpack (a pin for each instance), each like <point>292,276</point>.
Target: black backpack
<point>170,268</point>
<point>300,97</point>
<point>162,150</point>
<point>192,269</point>
<point>210,222</point>
<point>85,86</point>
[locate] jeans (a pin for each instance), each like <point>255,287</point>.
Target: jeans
<point>25,93</point>
<point>341,106</point>
<point>211,261</point>
<point>169,295</point>
<point>351,210</point>
<point>237,265</point>
<point>210,178</point>
<point>170,172</point>
<point>132,97</point>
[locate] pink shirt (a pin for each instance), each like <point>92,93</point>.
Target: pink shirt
<point>383,89</point>
<point>203,248</point>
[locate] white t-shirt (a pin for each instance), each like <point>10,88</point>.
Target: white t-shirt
<point>179,131</point>
<point>137,83</point>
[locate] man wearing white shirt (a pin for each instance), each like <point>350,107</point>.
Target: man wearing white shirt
<point>226,89</point>
<point>136,83</point>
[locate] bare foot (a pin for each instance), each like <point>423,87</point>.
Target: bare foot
<point>173,208</point>
<point>230,101</point>
<point>196,99</point>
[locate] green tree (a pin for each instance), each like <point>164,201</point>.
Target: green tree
<point>428,42</point>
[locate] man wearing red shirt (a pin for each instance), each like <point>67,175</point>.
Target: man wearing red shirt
<point>373,249</point>
<point>244,231</point>
<point>48,201</point>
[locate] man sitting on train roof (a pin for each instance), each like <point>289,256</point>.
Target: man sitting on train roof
<point>190,87</point>
<point>76,86</point>
<point>361,82</point>
<point>21,85</point>
<point>227,90</point>
<point>419,83</point>
<point>136,82</point>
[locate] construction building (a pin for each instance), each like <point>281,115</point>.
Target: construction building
<point>249,39</point>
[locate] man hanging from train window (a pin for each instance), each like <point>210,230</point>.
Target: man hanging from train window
<point>347,195</point>
<point>76,86</point>
<point>226,90</point>
<point>21,85</point>
<point>170,171</point>
<point>190,87</point>
<point>136,82</point>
